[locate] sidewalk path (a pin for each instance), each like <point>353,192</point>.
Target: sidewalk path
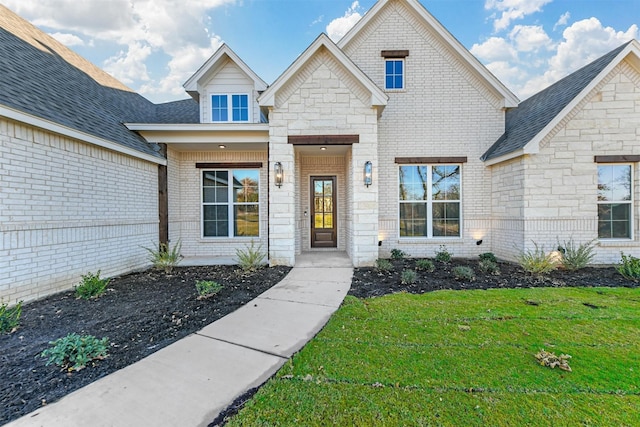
<point>191,381</point>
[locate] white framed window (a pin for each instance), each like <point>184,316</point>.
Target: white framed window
<point>394,74</point>
<point>230,203</point>
<point>430,201</point>
<point>230,107</point>
<point>615,201</point>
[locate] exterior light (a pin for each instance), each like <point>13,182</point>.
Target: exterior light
<point>279,174</point>
<point>323,148</point>
<point>222,146</point>
<point>368,173</point>
<point>479,242</point>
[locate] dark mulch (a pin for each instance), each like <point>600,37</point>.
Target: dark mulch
<point>140,314</point>
<point>369,282</point>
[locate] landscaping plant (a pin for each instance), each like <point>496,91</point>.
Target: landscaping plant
<point>629,267</point>
<point>462,272</point>
<point>207,288</point>
<point>489,267</point>
<point>164,257</point>
<point>74,351</point>
<point>92,286</point>
<point>251,258</point>
<point>488,256</point>
<point>537,261</point>
<point>397,254</point>
<point>9,317</point>
<point>425,265</point>
<point>408,277</point>
<point>383,265</point>
<point>443,255</point>
<point>576,257</point>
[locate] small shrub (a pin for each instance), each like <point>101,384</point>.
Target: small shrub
<point>551,360</point>
<point>383,265</point>
<point>10,317</point>
<point>408,277</point>
<point>92,286</point>
<point>629,267</point>
<point>163,257</point>
<point>397,254</point>
<point>537,261</point>
<point>488,256</point>
<point>74,351</point>
<point>576,257</point>
<point>207,288</point>
<point>425,265</point>
<point>489,267</point>
<point>443,255</point>
<point>464,273</point>
<point>251,258</point>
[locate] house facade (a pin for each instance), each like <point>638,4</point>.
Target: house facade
<point>395,137</point>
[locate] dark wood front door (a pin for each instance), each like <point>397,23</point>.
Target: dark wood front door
<point>323,212</point>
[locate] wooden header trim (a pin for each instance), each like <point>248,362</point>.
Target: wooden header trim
<point>394,53</point>
<point>323,139</point>
<point>239,165</point>
<point>617,159</point>
<point>429,160</point>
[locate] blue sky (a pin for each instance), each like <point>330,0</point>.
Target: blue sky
<point>154,47</point>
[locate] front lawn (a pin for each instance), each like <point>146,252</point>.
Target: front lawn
<point>464,358</point>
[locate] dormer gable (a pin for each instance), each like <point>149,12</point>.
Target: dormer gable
<point>226,89</point>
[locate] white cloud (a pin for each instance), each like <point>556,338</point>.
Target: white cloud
<point>495,49</point>
<point>562,21</point>
<point>318,20</point>
<point>512,10</point>
<point>68,39</point>
<point>528,38</point>
<point>340,26</point>
<point>138,29</point>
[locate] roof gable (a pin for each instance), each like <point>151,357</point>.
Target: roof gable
<point>323,44</point>
<point>538,115</point>
<point>216,62</point>
<point>444,36</point>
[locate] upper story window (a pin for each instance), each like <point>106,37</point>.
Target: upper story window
<point>615,201</point>
<point>230,108</point>
<point>394,74</point>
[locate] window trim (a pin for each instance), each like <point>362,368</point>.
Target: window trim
<point>631,203</point>
<point>230,107</point>
<point>429,202</point>
<point>231,204</point>
<point>404,74</point>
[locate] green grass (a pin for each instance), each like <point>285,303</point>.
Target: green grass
<point>464,358</point>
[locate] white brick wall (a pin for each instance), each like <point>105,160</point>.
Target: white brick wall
<point>69,208</point>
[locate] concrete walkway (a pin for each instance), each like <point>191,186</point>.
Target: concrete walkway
<point>191,381</point>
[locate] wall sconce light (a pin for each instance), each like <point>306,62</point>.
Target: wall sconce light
<point>279,174</point>
<point>368,173</point>
<point>479,242</point>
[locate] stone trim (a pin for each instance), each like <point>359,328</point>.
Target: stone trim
<point>323,139</point>
<point>391,54</point>
<point>429,160</point>
<point>222,165</point>
<point>617,159</point>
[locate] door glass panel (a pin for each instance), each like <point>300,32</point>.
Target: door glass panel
<point>323,204</point>
<point>318,222</point>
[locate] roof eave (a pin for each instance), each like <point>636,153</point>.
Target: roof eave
<point>505,157</point>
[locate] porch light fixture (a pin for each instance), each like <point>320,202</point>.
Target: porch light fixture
<point>222,146</point>
<point>368,173</point>
<point>279,174</point>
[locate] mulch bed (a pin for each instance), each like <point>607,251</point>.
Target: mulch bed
<point>140,314</point>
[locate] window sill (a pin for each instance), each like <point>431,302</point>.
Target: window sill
<point>613,243</point>
<point>423,240</point>
<point>218,240</point>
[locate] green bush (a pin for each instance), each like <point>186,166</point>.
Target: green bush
<point>207,288</point>
<point>164,257</point>
<point>251,258</point>
<point>425,265</point>
<point>383,265</point>
<point>462,272</point>
<point>537,261</point>
<point>92,286</point>
<point>488,256</point>
<point>576,257</point>
<point>408,277</point>
<point>629,267</point>
<point>397,254</point>
<point>74,351</point>
<point>489,267</point>
<point>10,317</point>
<point>443,255</point>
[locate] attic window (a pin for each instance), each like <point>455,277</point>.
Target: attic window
<point>394,74</point>
<point>234,110</point>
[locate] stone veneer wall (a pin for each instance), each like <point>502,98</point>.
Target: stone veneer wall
<point>69,208</point>
<point>444,111</point>
<point>185,203</point>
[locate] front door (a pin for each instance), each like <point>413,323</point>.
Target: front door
<point>323,212</point>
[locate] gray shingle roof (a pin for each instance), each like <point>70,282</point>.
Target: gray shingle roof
<point>184,111</point>
<point>41,77</point>
<point>524,122</point>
